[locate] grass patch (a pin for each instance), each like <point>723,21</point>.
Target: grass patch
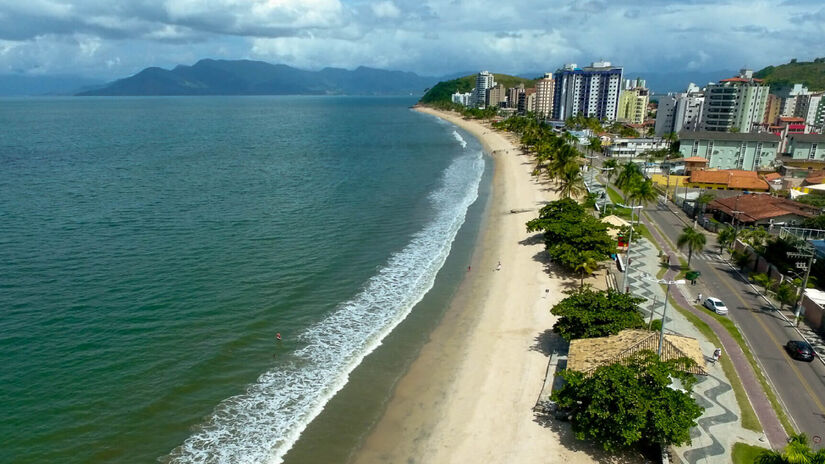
<point>745,454</point>
<point>615,196</point>
<point>683,268</point>
<point>729,325</point>
<point>748,416</point>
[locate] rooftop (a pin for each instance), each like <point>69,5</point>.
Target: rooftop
<point>810,138</point>
<point>733,136</point>
<point>588,354</point>
<point>732,178</point>
<point>695,159</point>
<point>754,207</point>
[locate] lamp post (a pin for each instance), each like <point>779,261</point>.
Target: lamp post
<point>807,267</point>
<point>629,243</point>
<point>668,283</point>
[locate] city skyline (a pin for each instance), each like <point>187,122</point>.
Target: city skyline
<point>95,39</point>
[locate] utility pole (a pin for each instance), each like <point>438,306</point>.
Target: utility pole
<point>807,266</point>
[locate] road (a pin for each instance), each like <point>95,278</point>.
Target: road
<point>799,385</point>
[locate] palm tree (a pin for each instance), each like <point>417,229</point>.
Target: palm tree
<point>571,181</point>
<point>797,452</point>
<point>629,175</point>
<point>693,240</point>
<point>586,264</point>
<point>643,193</point>
<point>725,237</point>
<point>613,167</point>
<point>701,201</point>
<point>786,294</point>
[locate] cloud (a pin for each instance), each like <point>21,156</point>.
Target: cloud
<point>114,39</point>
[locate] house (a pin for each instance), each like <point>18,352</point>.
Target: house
<point>728,150</point>
<point>760,210</point>
<point>588,354</point>
<point>810,147</point>
<point>694,163</point>
<point>728,179</point>
<point>626,147</point>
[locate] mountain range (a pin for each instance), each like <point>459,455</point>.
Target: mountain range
<point>245,77</point>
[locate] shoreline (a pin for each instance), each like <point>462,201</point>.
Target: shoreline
<point>469,394</point>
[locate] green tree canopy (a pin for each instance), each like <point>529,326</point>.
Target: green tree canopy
<point>796,452</point>
<point>692,239</point>
<point>630,404</point>
<point>569,230</point>
<point>588,313</point>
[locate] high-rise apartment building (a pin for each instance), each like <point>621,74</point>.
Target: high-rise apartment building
<point>773,108</point>
<point>513,95</point>
<point>544,96</point>
<point>735,104</point>
<point>496,96</point>
<point>679,111</point>
<point>592,91</point>
<point>527,101</point>
<point>633,105</point>
<point>484,81</point>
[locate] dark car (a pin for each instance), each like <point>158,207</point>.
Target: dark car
<point>801,350</point>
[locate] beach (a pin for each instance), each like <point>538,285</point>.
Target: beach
<point>469,395</point>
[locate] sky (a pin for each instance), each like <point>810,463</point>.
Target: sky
<point>116,38</point>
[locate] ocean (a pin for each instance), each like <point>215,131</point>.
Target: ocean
<point>152,248</point>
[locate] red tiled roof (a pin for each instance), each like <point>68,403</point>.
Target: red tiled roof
<point>739,180</point>
<point>740,79</point>
<point>772,176</point>
<point>755,207</point>
<point>695,159</point>
<point>791,119</point>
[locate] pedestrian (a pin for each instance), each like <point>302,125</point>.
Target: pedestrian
<point>717,354</point>
<point>546,292</point>
<point>468,268</point>
<point>699,298</point>
<point>498,268</point>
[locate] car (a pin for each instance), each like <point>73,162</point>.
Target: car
<point>716,305</point>
<point>801,350</point>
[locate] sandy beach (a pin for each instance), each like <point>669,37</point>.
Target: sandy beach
<point>469,395</point>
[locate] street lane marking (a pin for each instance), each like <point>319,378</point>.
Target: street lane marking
<point>802,380</point>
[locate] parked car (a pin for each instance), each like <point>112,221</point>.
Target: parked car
<point>716,305</point>
<point>801,350</point>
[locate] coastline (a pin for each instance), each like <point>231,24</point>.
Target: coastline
<point>469,394</point>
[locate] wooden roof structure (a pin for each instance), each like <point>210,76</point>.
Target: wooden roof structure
<point>588,354</point>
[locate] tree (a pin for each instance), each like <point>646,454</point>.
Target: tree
<point>816,222</point>
<point>586,264</point>
<point>595,144</point>
<point>796,452</point>
<point>613,167</point>
<point>741,258</point>
<point>631,403</point>
<point>725,237</point>
<point>588,313</point>
<point>786,294</point>
<point>571,182</point>
<point>643,192</point>
<point>693,240</point>
<point>762,280</point>
<point>629,175</point>
<point>701,201</point>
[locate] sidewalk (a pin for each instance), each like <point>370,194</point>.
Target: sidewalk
<point>719,428</point>
<point>774,431</point>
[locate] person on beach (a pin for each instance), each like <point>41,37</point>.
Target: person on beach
<point>498,268</point>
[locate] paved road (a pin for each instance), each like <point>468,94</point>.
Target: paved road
<point>800,386</point>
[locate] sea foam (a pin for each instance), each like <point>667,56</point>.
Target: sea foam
<point>262,424</point>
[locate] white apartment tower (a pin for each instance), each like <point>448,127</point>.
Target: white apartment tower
<point>544,96</point>
<point>592,91</point>
<point>679,111</point>
<point>484,81</point>
<point>736,104</point>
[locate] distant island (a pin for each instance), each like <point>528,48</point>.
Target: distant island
<point>245,77</point>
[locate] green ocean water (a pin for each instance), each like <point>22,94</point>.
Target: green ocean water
<point>151,248</point>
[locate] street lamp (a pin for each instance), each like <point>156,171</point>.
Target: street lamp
<point>668,283</point>
<point>629,243</point>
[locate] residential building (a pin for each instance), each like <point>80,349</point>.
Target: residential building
<point>544,96</point>
<point>622,147</point>
<point>760,210</point>
<point>679,111</point>
<point>527,101</point>
<point>773,107</point>
<point>790,98</point>
<point>513,95</point>
<point>809,147</point>
<point>728,179</point>
<point>735,104</point>
<point>484,81</point>
<point>633,105</point>
<point>496,96</point>
<point>591,91</point>
<point>728,150</point>
<point>462,98</point>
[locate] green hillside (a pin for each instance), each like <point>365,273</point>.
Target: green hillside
<point>442,91</point>
<point>811,74</point>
